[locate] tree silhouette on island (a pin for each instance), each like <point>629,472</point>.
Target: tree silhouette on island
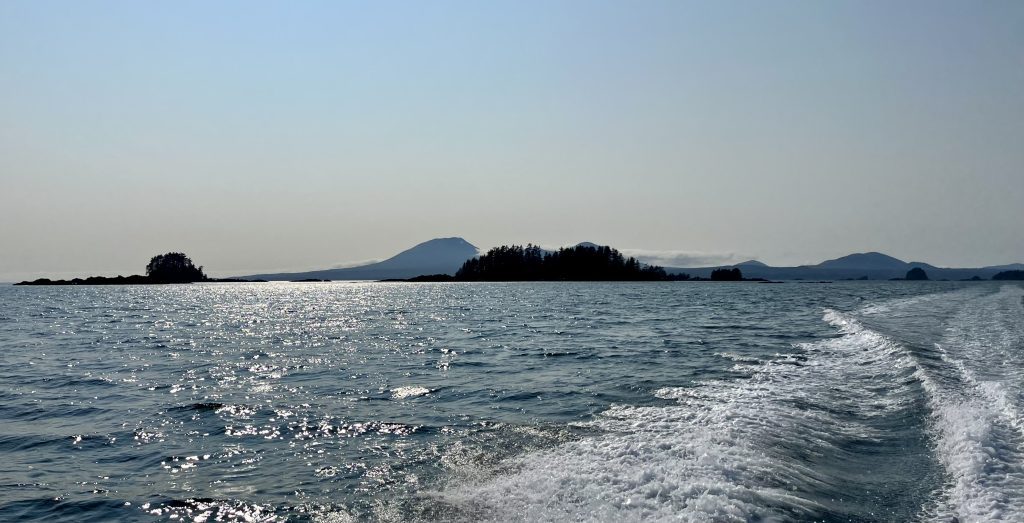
<point>173,267</point>
<point>583,262</point>
<point>734,274</point>
<point>917,274</point>
<point>1009,275</point>
<point>579,263</point>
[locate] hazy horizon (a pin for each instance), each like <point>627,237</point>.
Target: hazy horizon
<point>259,137</point>
<point>669,258</point>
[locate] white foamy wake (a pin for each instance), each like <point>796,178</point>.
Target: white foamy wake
<point>401,393</point>
<point>976,410</point>
<point>720,453</point>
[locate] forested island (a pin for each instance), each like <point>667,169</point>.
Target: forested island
<point>579,263</point>
<point>1009,275</point>
<point>583,262</point>
<point>173,267</point>
<point>454,259</point>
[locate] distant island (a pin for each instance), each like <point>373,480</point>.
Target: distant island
<point>1009,275</point>
<point>582,262</point>
<point>579,263</point>
<point>916,274</point>
<point>439,259</point>
<point>858,266</point>
<point>173,267</point>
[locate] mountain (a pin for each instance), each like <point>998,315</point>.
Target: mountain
<point>865,260</point>
<point>863,265</point>
<point>1008,267</point>
<point>439,253</point>
<point>437,256</point>
<point>446,255</point>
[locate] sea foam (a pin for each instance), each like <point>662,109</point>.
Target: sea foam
<point>719,453</point>
<point>975,403</point>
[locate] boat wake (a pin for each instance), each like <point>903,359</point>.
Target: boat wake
<point>975,396</point>
<point>844,426</point>
<point>762,448</point>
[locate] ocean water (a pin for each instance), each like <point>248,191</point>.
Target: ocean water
<point>335,402</point>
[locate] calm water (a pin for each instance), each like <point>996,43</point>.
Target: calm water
<point>539,402</point>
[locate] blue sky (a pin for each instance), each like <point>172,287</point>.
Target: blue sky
<point>270,135</point>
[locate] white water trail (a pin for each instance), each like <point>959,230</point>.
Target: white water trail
<point>976,404</point>
<point>720,453</point>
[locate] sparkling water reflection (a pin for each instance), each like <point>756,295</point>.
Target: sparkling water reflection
<point>374,401</point>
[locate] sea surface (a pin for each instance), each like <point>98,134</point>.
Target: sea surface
<point>682,401</point>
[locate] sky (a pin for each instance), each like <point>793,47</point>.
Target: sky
<point>264,136</point>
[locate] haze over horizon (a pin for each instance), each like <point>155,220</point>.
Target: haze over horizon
<point>257,137</point>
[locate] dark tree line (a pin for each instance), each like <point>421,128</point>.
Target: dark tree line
<point>579,263</point>
<point>917,274</point>
<point>174,267</point>
<point>734,274</point>
<point>1009,275</point>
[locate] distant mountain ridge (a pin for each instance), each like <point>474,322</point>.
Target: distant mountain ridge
<point>862,265</point>
<point>446,255</point>
<point>437,256</point>
<point>865,260</point>
<point>751,263</point>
